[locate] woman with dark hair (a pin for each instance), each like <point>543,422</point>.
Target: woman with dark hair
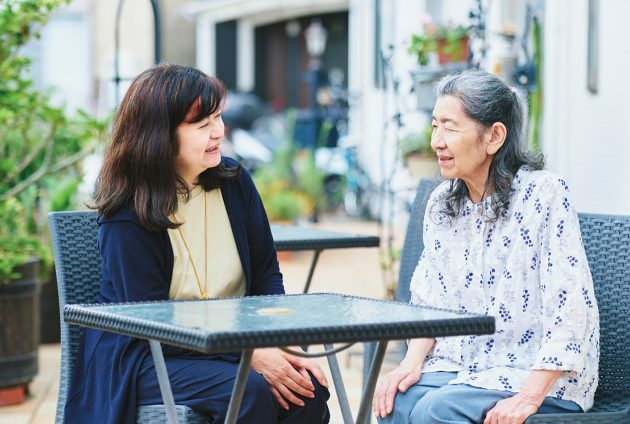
<point>179,221</point>
<point>501,238</point>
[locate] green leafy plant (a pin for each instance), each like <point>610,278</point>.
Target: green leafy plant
<point>277,185</point>
<point>40,146</point>
<point>448,40</point>
<point>389,260</point>
<point>291,185</point>
<point>16,245</point>
<point>416,142</point>
<point>310,179</point>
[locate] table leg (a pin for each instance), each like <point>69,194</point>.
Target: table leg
<point>311,271</point>
<point>370,385</point>
<point>339,387</point>
<point>239,387</point>
<point>165,385</point>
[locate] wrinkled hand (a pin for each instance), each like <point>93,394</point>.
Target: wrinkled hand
<point>513,410</point>
<point>287,375</point>
<point>406,375</point>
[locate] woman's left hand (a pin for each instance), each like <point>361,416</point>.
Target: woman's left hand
<point>287,375</point>
<point>513,410</point>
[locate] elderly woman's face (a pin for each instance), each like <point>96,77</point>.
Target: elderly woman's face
<point>459,142</point>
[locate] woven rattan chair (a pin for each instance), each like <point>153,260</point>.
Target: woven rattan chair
<point>607,244</point>
<point>78,265</point>
<point>412,249</point>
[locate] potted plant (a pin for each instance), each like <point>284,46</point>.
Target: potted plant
<point>417,154</point>
<point>40,149</point>
<point>438,49</point>
<point>19,302</point>
<point>277,184</point>
<point>449,41</point>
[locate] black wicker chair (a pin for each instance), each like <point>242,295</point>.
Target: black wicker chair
<point>78,265</point>
<point>607,244</point>
<point>412,249</point>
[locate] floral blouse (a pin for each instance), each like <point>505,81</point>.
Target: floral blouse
<point>528,270</point>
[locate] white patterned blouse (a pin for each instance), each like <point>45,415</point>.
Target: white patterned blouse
<point>529,270</point>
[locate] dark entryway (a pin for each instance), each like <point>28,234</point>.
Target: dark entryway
<point>282,61</point>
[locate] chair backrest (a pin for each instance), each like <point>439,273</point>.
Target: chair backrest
<point>414,245</point>
<point>74,238</point>
<point>607,244</point>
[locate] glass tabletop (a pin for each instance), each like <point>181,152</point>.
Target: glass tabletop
<point>238,323</point>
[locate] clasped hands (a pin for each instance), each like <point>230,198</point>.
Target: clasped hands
<point>287,375</point>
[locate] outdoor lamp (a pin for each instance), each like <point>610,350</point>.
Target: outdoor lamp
<point>316,36</point>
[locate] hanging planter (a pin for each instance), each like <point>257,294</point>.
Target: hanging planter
<point>423,80</point>
<point>453,49</point>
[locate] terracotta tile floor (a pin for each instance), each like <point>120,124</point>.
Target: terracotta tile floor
<point>348,271</point>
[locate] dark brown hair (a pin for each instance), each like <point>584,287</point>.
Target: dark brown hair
<point>138,166</point>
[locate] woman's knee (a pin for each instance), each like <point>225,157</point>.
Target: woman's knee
<point>434,407</point>
<point>456,403</point>
<point>258,400</point>
<point>315,409</point>
<point>321,393</point>
<point>403,405</point>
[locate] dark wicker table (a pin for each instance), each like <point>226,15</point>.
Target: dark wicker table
<point>224,325</point>
<point>290,237</point>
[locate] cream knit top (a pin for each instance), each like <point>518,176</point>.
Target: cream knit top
<point>225,276</point>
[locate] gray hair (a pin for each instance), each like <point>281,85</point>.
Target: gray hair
<point>487,99</point>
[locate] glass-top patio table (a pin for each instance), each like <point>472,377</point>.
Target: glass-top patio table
<point>291,237</point>
<point>243,324</point>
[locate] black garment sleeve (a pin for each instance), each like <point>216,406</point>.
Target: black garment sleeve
<point>134,264</point>
<point>266,276</point>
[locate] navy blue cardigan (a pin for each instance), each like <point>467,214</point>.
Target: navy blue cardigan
<point>137,265</point>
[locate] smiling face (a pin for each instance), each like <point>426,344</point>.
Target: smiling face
<point>464,147</point>
<point>199,144</point>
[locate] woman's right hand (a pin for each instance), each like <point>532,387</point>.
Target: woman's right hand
<point>406,375</point>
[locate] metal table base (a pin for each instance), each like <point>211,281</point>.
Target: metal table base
<point>241,382</point>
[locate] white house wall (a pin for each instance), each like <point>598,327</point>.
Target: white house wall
<point>587,136</point>
<point>374,107</point>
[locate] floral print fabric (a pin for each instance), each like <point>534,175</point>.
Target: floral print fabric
<point>528,270</point>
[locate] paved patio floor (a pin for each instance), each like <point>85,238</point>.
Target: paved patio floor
<point>347,271</point>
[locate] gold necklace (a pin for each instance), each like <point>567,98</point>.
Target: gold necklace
<point>204,293</point>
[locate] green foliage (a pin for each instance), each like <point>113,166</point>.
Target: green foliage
<point>291,185</point>
<point>277,183</point>
<point>435,37</point>
<point>40,146</point>
<point>417,142</point>
<point>16,246</point>
<point>536,96</point>
<point>422,46</point>
<point>310,179</point>
<point>389,260</point>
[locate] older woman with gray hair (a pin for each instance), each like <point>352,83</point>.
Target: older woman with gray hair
<point>501,238</point>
